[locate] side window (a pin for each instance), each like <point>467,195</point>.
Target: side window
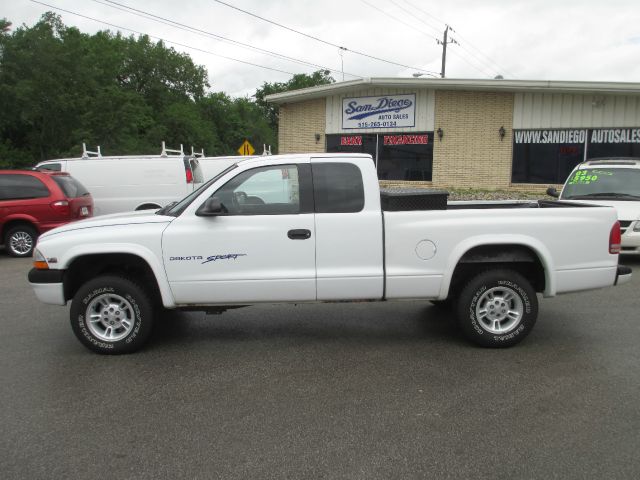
<point>21,187</point>
<point>54,167</point>
<point>337,188</point>
<point>273,190</point>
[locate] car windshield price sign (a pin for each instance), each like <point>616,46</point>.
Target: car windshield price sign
<point>246,148</point>
<point>385,111</point>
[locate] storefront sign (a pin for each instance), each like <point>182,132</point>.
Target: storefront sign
<point>406,139</point>
<point>550,136</point>
<point>386,111</point>
<point>616,135</point>
<point>350,141</point>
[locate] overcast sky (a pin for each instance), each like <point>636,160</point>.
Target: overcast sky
<point>525,40</point>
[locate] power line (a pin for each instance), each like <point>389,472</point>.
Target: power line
<point>435,29</point>
<point>488,59</point>
<point>440,42</point>
<point>499,67</point>
<point>160,38</point>
<point>386,14</point>
<point>323,41</point>
<point>220,38</point>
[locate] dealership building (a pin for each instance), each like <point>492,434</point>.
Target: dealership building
<point>490,134</point>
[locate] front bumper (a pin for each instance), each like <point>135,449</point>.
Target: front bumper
<point>630,244</point>
<point>48,285</point>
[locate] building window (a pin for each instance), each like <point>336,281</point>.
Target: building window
<point>398,156</point>
<point>549,156</point>
<point>614,142</point>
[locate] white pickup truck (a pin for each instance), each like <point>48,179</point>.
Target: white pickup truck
<point>316,228</point>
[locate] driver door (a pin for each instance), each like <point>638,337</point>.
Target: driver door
<point>262,249</point>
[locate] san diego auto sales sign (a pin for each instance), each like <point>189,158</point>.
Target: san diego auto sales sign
<point>385,111</point>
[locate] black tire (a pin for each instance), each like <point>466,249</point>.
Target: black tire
<point>122,311</point>
<point>511,308</point>
<point>20,240</point>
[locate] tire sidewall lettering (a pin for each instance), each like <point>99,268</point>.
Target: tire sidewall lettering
<point>109,345</point>
<point>472,310</point>
<point>470,297</point>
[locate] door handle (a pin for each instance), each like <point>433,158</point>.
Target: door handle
<point>299,234</point>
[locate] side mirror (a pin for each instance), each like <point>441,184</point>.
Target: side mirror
<point>552,192</point>
<point>212,207</point>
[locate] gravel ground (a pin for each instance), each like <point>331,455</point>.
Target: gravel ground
<point>495,195</point>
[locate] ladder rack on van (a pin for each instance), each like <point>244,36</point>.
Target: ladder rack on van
<point>165,150</point>
<point>197,154</point>
<point>87,154</point>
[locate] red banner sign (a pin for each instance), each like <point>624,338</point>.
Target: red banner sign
<point>406,139</point>
<point>352,140</point>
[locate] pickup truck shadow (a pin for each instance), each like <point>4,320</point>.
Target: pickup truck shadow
<point>632,261</point>
<point>358,323</point>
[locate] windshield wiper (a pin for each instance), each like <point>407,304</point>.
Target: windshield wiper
<point>620,196</point>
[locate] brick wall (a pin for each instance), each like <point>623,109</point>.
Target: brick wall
<point>471,154</point>
<point>298,125</point>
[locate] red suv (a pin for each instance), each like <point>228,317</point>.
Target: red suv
<point>32,202</point>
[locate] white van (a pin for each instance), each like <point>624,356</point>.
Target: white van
<point>614,182</point>
<point>135,182</point>
<point>212,166</point>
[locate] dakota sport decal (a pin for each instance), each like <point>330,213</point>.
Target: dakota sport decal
<point>210,258</point>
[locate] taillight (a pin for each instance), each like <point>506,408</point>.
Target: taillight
<point>61,207</point>
<point>615,239</point>
<point>189,174</point>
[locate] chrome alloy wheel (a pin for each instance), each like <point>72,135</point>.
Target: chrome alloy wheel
<point>499,310</point>
<point>21,243</point>
<point>110,317</point>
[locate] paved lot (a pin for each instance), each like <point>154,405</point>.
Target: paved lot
<point>323,391</point>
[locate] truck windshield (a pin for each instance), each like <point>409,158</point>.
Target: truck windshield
<point>603,183</point>
<point>176,209</point>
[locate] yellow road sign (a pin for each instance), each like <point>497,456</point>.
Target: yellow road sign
<point>246,148</point>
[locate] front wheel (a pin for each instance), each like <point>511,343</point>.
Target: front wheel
<point>20,241</point>
<point>112,315</point>
<point>497,308</point>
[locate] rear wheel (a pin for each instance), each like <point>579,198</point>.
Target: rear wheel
<point>20,240</point>
<point>112,315</point>
<point>497,308</point>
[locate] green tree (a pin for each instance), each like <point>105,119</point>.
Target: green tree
<point>298,81</point>
<point>60,87</point>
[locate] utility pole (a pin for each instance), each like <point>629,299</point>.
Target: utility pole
<point>444,43</point>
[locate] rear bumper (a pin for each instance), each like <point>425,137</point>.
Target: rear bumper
<point>623,275</point>
<point>48,285</point>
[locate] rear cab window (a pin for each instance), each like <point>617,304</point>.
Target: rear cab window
<point>337,188</point>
